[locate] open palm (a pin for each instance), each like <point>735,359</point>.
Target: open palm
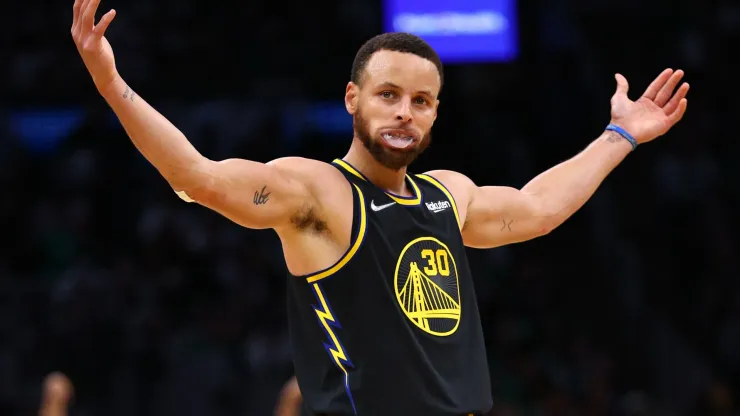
<point>655,112</point>
<point>91,43</point>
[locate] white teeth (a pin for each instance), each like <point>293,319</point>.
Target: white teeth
<point>389,136</point>
<point>399,142</point>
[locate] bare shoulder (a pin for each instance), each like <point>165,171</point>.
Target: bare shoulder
<point>305,168</point>
<point>458,184</point>
<point>450,178</point>
<point>315,174</point>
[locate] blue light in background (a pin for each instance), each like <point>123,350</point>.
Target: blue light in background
<point>330,118</point>
<point>44,130</point>
<point>461,31</point>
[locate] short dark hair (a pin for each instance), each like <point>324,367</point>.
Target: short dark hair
<point>396,42</point>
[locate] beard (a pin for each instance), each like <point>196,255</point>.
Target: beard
<point>391,159</point>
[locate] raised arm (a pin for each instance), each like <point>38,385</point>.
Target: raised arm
<point>253,194</point>
<point>495,216</point>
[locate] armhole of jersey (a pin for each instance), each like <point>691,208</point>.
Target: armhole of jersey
<point>445,191</point>
<point>359,229</point>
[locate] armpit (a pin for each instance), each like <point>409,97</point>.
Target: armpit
<point>306,219</point>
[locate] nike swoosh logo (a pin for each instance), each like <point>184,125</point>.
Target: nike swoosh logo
<point>377,208</point>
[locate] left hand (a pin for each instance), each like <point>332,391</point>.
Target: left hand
<point>653,114</point>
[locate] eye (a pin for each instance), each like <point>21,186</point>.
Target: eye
<point>420,100</point>
<point>386,94</point>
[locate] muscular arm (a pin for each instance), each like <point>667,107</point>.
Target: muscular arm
<point>494,216</point>
<point>252,194</point>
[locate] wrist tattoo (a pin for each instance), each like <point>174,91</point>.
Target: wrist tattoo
<point>614,137</point>
<point>261,197</point>
<point>506,225</point>
<point>129,93</point>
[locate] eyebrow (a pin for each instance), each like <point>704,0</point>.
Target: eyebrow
<point>392,85</point>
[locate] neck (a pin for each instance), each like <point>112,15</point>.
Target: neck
<point>389,180</point>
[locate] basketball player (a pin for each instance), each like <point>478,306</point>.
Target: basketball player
<point>382,311</point>
<point>56,395</point>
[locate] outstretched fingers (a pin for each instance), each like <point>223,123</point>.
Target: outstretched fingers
<point>673,103</point>
<point>76,11</point>
<point>677,115</point>
<point>666,91</point>
<point>88,15</point>
<point>652,90</point>
<point>77,16</point>
<point>83,21</point>
<point>102,25</point>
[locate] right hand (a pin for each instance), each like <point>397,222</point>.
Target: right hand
<point>93,47</point>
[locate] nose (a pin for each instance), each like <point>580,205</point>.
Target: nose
<point>403,111</point>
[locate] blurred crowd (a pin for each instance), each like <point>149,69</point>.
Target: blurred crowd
<point>156,307</point>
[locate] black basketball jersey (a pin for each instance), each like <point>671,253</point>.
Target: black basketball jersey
<point>392,328</point>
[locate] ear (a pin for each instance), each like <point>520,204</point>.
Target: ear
<point>351,95</point>
<point>436,107</point>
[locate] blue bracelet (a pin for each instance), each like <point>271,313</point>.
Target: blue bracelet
<point>622,132</point>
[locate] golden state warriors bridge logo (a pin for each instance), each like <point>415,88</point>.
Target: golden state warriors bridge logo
<point>427,286</point>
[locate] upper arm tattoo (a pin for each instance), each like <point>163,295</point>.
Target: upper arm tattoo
<point>261,197</point>
<point>506,225</point>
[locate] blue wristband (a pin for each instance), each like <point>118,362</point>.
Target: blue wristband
<point>622,132</point>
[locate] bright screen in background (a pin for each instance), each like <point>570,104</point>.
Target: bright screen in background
<point>461,31</point>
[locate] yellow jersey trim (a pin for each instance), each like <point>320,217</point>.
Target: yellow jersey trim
<point>354,247</point>
<point>408,201</point>
<point>447,193</point>
<point>349,168</point>
<point>401,200</point>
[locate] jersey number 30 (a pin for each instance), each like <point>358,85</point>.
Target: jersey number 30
<point>438,262</point>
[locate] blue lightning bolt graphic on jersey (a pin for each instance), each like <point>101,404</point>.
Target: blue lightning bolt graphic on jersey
<point>334,348</point>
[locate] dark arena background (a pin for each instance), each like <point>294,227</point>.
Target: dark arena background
<point>155,307</point>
